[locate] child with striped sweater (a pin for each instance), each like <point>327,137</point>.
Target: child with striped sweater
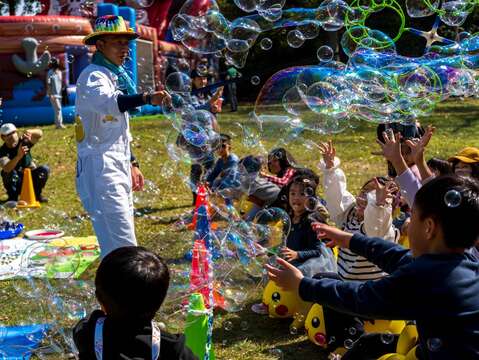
<point>369,213</point>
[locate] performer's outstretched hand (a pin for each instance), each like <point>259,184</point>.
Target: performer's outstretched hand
<point>160,97</point>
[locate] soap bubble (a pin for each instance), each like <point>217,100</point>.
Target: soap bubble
<point>266,43</point>
<point>145,3</point>
<point>247,5</point>
<point>29,28</point>
<point>420,8</point>
<point>272,226</point>
<point>295,39</point>
<point>276,353</point>
<point>178,82</point>
<point>325,54</point>
<point>255,80</point>
<point>246,30</point>
<point>453,198</point>
<point>228,325</point>
<point>273,13</point>
<point>312,203</point>
<point>309,29</point>
<point>387,338</point>
<point>348,344</point>
<point>434,344</point>
<point>141,16</point>
<point>236,45</point>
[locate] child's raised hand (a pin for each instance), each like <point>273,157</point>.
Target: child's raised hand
<point>384,192</point>
<point>287,277</point>
<point>418,146</point>
<point>289,254</point>
<point>337,237</point>
<point>328,152</point>
<point>391,147</point>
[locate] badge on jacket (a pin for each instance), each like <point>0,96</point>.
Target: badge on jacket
<point>79,132</point>
<point>109,118</point>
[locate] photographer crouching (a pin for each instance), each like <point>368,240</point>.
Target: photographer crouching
<point>15,156</point>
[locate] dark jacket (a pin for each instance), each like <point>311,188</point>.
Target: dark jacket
<point>439,291</point>
<point>304,240</point>
<point>126,341</point>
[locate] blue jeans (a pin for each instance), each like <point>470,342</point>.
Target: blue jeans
<point>12,181</point>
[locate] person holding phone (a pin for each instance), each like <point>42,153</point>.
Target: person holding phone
<point>15,156</point>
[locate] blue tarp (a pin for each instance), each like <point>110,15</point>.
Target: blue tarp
<point>17,342</point>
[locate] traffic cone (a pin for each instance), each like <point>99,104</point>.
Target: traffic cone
<point>27,195</point>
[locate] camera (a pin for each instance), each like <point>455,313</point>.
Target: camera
<point>25,142</point>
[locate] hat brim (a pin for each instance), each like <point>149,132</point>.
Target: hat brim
<point>464,159</point>
<point>92,38</point>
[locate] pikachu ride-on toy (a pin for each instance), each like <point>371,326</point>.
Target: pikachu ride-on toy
<point>330,329</point>
<point>338,332</point>
<point>285,304</point>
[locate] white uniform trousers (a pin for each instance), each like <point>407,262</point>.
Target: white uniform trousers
<point>104,186</point>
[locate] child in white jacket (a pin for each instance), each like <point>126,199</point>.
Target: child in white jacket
<point>370,213</point>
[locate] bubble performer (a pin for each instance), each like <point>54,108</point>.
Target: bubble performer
<point>106,171</point>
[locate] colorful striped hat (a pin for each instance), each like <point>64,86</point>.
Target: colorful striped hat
<point>109,25</point>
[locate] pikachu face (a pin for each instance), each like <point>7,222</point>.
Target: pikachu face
<point>282,304</point>
<point>315,326</point>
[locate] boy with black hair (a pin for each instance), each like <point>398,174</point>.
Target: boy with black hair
<point>227,162</point>
<point>436,283</point>
<point>131,284</point>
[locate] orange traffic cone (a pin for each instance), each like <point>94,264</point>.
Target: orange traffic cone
<point>27,196</point>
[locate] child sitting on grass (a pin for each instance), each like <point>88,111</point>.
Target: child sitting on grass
<point>436,283</point>
<point>131,284</point>
<point>226,161</point>
<point>302,248</point>
<point>282,164</point>
<point>370,213</point>
<point>261,192</point>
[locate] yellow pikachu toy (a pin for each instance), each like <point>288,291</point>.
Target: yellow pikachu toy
<point>315,326</point>
<point>406,346</point>
<point>384,326</point>
<point>285,304</point>
<point>330,329</point>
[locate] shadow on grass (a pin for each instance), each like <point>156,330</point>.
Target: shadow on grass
<point>465,122</point>
<point>458,109</point>
<point>150,210</point>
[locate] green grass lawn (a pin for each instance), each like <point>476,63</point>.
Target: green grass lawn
<point>247,335</point>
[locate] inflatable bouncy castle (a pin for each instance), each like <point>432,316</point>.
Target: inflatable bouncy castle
<point>29,42</point>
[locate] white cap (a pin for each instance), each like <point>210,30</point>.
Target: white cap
<point>7,129</point>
